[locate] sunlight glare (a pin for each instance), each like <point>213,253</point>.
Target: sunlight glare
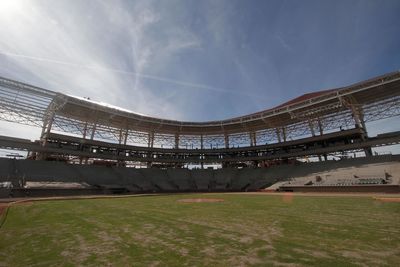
<point>10,7</point>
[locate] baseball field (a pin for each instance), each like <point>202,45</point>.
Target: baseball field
<point>203,230</point>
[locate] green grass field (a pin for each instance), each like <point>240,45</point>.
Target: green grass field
<point>244,230</point>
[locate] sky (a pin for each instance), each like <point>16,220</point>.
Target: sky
<point>196,60</point>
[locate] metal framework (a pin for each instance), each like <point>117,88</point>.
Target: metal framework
<point>306,116</point>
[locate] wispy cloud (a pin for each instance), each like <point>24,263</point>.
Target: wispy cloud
<point>284,43</point>
<point>86,53</point>
<point>195,60</point>
<point>142,63</point>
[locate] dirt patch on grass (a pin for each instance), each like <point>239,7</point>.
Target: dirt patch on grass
<point>201,200</point>
<point>24,203</point>
<point>3,207</point>
<point>388,199</point>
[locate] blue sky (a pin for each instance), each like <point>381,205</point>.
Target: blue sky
<point>195,59</point>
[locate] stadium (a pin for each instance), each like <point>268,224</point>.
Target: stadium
<point>199,133</point>
<point>92,149</point>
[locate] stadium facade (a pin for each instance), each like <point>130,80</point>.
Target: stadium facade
<point>320,124</point>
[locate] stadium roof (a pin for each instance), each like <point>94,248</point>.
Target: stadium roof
<point>318,103</point>
<point>32,104</point>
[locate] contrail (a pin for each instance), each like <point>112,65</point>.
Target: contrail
<point>142,75</point>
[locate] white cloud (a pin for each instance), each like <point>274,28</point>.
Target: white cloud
<point>75,51</point>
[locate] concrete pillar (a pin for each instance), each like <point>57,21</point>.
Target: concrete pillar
<point>253,139</point>
<point>320,127</point>
<point>126,136</point>
<point>93,130</point>
<point>284,134</point>
<point>357,116</point>
<point>311,125</point>
<point>321,132</point>
<point>150,144</point>
<point>91,138</point>
<point>278,135</point>
<point>150,140</point>
<point>176,141</point>
<point>201,147</point>
<point>120,136</point>
<point>84,137</point>
<point>85,130</point>
<point>226,137</point>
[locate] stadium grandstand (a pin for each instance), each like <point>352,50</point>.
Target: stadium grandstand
<point>88,147</point>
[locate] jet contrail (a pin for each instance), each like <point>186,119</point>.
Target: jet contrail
<point>142,75</point>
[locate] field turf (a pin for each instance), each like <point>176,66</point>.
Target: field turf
<point>244,230</point>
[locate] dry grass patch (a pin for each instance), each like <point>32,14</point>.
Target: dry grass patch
<point>388,199</point>
<point>201,200</point>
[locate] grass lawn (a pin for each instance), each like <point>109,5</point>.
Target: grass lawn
<point>244,230</point>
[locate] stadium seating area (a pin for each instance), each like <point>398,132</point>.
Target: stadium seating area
<point>373,173</point>
<point>124,180</point>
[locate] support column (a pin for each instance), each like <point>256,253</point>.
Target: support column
<point>358,115</point>
<point>93,130</point>
<point>226,137</point>
<point>84,137</point>
<point>120,141</point>
<point>150,144</point>
<point>284,134</point>
<point>321,132</point>
<point>150,140</point>
<point>125,140</point>
<point>201,147</point>
<point>46,129</point>
<point>48,119</point>
<point>278,135</point>
<point>311,125</point>
<point>176,141</point>
<point>126,136</point>
<point>176,164</point>
<point>91,138</point>
<point>120,136</point>
<point>85,130</point>
<point>320,127</point>
<point>253,139</point>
